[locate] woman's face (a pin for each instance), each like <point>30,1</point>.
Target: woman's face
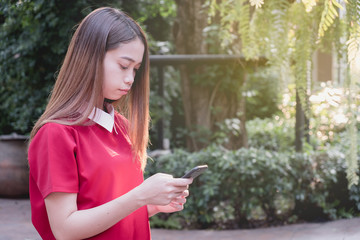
<point>120,66</point>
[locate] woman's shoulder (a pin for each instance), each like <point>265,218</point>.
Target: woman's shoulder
<point>53,134</point>
<point>56,129</point>
<point>57,126</point>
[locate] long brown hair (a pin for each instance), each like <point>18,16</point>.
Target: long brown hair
<point>78,87</point>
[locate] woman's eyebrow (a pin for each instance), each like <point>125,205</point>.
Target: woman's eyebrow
<point>129,59</point>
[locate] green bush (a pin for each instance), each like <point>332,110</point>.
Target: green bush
<point>263,93</point>
<point>34,38</point>
<point>275,135</point>
<point>244,186</point>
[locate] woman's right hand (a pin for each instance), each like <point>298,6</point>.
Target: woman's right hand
<point>162,189</point>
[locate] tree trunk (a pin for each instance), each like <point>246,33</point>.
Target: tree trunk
<point>244,137</point>
<point>301,125</point>
<point>188,36</point>
<point>199,100</point>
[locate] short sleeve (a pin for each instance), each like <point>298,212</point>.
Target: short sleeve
<point>52,159</point>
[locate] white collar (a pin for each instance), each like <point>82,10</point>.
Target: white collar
<point>104,119</point>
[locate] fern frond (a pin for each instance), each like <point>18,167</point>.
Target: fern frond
<point>353,42</point>
<point>305,28</point>
<point>256,3</point>
<point>309,4</point>
<point>235,21</point>
<point>337,4</point>
<point>353,45</point>
<point>328,16</point>
<point>243,13</point>
<point>275,31</point>
<point>352,155</point>
<point>212,8</point>
<point>226,12</point>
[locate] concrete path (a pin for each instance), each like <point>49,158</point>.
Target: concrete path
<point>15,225</point>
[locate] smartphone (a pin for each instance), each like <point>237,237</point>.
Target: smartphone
<point>195,172</point>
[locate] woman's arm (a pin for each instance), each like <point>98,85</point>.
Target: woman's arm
<point>67,222</point>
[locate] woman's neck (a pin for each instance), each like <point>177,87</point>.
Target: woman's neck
<point>106,102</point>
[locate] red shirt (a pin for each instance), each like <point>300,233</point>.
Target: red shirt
<point>92,162</point>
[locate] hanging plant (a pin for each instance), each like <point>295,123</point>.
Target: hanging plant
<point>288,33</point>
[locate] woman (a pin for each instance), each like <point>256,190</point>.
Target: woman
<point>86,159</point>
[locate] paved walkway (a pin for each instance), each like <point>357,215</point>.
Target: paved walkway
<point>15,225</point>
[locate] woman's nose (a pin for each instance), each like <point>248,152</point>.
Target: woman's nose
<point>129,79</point>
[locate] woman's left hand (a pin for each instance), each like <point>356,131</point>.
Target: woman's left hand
<point>176,205</point>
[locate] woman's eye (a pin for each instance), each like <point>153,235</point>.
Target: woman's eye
<point>123,67</point>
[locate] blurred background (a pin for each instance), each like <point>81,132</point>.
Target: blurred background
<point>265,92</point>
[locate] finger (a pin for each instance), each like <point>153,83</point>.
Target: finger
<point>179,200</point>
<point>176,206</point>
<point>185,193</point>
<point>180,189</point>
<point>182,181</point>
<point>182,194</point>
<point>175,195</point>
<point>165,176</point>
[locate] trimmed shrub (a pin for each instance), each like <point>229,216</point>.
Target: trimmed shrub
<point>247,187</point>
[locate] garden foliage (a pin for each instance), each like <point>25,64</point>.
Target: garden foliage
<point>260,185</point>
<point>34,37</point>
